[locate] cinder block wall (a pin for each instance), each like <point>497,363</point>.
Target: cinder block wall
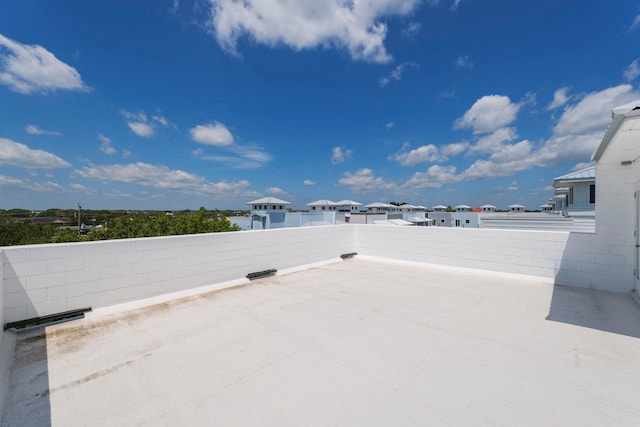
<point>46,279</point>
<point>615,218</point>
<point>566,258</point>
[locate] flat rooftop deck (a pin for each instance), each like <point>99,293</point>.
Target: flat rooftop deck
<point>360,342</point>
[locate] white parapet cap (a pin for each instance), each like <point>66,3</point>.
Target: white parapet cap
<point>322,202</point>
<point>269,201</point>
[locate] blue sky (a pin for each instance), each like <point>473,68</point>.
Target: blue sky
<point>181,104</point>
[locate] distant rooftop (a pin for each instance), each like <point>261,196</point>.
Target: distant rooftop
<point>586,174</point>
<point>359,342</point>
<point>268,201</point>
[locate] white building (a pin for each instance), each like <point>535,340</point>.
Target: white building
<point>488,208</point>
<point>267,213</point>
<point>379,207</point>
<point>347,206</point>
<point>577,191</point>
<point>463,208</point>
<point>516,208</point>
<point>322,205</point>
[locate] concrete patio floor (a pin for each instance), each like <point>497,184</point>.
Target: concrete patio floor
<point>360,342</point>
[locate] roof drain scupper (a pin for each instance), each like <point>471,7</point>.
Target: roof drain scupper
<point>349,255</point>
<point>51,319</point>
<point>261,274</point>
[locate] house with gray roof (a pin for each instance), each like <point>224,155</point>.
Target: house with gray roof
<point>577,191</point>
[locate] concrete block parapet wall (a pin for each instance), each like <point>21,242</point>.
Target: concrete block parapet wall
<point>565,258</point>
<point>47,279</point>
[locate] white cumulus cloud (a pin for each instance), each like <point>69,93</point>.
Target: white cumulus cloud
<point>426,153</point>
<point>633,71</point>
<point>276,191</point>
<point>309,182</point>
<point>105,145</point>
<point>411,30</point>
<point>494,141</point>
<point>396,73</point>
<point>364,180</point>
<point>463,61</point>
<point>143,125</point>
<point>161,177</point>
<point>560,98</point>
<point>212,134</point>
<point>434,177</point>
<point>35,130</point>
<point>489,113</point>
<point>17,154</point>
<point>340,155</point>
<point>32,68</point>
<point>357,27</point>
<point>593,112</point>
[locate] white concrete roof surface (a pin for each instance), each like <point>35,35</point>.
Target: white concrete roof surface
<point>392,222</point>
<point>356,343</point>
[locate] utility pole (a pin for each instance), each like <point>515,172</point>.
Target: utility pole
<point>79,210</point>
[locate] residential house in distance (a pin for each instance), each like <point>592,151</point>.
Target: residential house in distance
<point>267,213</point>
<point>577,191</point>
<point>322,205</point>
<point>347,206</point>
<point>440,216</point>
<point>379,207</point>
<point>516,208</point>
<point>411,215</point>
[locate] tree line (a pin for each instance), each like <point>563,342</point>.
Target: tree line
<point>121,225</point>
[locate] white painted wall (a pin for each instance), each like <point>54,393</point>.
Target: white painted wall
<point>566,258</point>
<point>47,279</point>
<point>581,193</point>
<point>615,220</point>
